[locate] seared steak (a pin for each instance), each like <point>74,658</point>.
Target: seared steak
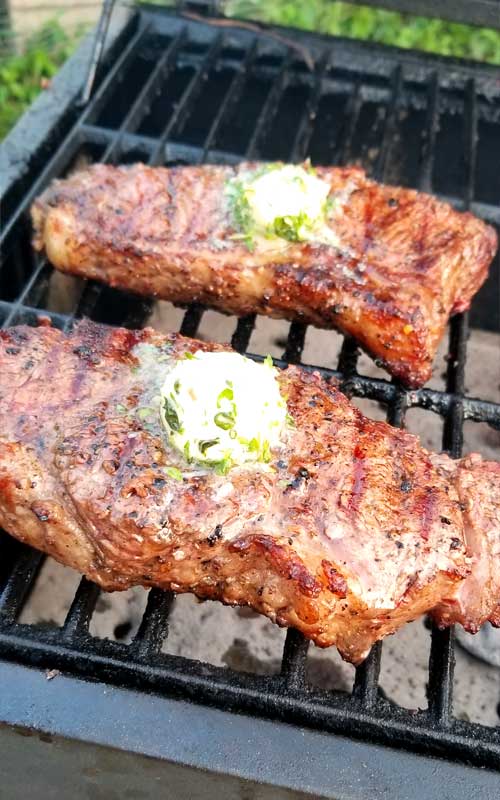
<point>478,485</point>
<point>350,531</point>
<point>403,263</point>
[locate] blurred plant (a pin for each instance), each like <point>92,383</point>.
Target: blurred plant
<point>24,74</point>
<point>376,25</point>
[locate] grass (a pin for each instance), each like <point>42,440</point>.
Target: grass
<point>24,74</point>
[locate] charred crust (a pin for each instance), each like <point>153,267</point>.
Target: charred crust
<point>41,512</point>
<point>289,567</point>
<point>336,582</point>
<point>214,536</point>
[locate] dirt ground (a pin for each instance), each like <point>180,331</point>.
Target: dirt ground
<point>28,15</point>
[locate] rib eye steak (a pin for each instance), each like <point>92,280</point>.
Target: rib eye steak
<point>400,264</point>
<point>350,531</point>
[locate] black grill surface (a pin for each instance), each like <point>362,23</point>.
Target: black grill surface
<point>176,91</point>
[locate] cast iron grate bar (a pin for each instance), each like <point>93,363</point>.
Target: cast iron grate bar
<point>80,613</point>
<point>186,104</point>
<point>19,583</point>
<point>140,106</point>
<point>191,320</point>
<point>295,343</point>
<point>429,135</point>
<point>442,656</point>
<point>389,123</point>
<point>38,277</point>
<point>241,336</point>
<point>153,629</point>
<point>270,107</point>
<point>306,125</point>
<point>347,363</point>
<point>343,144</point>
<point>232,97</point>
<point>365,689</point>
<point>294,661</point>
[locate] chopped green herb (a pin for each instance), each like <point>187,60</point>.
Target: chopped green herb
<point>206,443</point>
<point>224,420</point>
<point>187,453</point>
<point>253,445</point>
<point>222,467</point>
<point>174,473</point>
<point>189,356</point>
<point>171,416</point>
<point>290,228</point>
<point>240,209</point>
<point>266,451</point>
<point>331,204</point>
<point>268,361</point>
<point>177,386</point>
<point>121,408</point>
<point>290,420</point>
<point>226,394</point>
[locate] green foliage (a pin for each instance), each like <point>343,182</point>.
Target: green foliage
<point>24,74</point>
<point>376,25</point>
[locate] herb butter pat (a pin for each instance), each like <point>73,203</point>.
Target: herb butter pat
<point>284,202</point>
<point>222,409</point>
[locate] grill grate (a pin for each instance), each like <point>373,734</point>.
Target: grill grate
<point>233,95</point>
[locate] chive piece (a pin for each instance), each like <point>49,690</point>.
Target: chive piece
<point>266,452</point>
<point>121,408</point>
<point>189,356</point>
<point>174,473</point>
<point>240,210</point>
<point>253,445</point>
<point>268,361</point>
<point>289,227</point>
<point>222,467</point>
<point>171,416</point>
<point>204,444</point>
<point>187,453</point>
<point>226,394</point>
<point>177,386</point>
<point>224,421</point>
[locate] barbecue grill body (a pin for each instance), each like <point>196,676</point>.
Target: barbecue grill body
<point>183,751</point>
<point>173,722</point>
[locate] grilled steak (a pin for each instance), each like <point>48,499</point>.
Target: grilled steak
<point>350,531</point>
<point>404,261</point>
<point>478,485</point>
